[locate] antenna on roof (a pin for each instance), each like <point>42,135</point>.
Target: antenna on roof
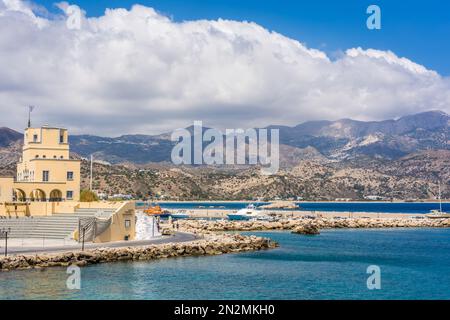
<point>30,109</point>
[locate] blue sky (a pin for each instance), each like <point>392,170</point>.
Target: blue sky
<point>418,30</point>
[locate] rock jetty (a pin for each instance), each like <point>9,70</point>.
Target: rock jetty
<point>280,205</point>
<point>205,226</point>
<point>212,245</point>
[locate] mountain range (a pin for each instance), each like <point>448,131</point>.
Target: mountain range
<point>339,140</point>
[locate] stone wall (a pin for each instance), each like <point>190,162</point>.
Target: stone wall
<point>212,245</point>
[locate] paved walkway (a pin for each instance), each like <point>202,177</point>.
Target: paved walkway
<point>177,238</point>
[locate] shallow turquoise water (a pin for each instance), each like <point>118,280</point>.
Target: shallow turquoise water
<point>415,264</point>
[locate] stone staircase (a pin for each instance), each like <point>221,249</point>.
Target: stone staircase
<point>57,226</point>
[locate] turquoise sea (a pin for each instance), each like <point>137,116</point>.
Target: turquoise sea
<point>414,264</point>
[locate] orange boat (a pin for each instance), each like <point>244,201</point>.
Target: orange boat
<point>156,211</point>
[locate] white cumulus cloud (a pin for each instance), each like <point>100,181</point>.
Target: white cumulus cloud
<point>139,71</point>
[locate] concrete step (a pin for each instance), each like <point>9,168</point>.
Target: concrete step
<point>61,235</point>
<point>41,227</point>
<point>50,237</point>
<point>44,231</point>
<point>58,226</point>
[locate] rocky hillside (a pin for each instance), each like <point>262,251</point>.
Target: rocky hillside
<point>390,139</point>
<point>412,177</point>
<point>398,159</point>
<point>8,136</point>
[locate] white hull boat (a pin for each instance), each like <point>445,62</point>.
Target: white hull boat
<point>438,214</point>
<point>249,213</point>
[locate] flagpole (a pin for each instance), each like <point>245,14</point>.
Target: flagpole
<point>30,109</point>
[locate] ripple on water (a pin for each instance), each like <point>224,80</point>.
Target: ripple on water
<point>414,264</point>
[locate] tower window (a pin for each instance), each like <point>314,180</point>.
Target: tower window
<point>45,176</point>
<point>69,195</point>
<point>69,176</point>
<point>35,138</point>
<point>61,138</point>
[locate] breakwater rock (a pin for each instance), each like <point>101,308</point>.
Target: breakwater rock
<point>280,205</point>
<point>205,226</point>
<point>310,229</point>
<point>212,245</point>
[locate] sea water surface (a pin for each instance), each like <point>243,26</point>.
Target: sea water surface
<point>381,207</point>
<point>414,264</point>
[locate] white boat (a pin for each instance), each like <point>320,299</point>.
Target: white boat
<point>248,213</point>
<point>180,214</point>
<point>438,214</point>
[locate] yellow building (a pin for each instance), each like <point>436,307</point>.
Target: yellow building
<point>45,172</point>
<point>47,186</point>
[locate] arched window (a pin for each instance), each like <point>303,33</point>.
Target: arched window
<point>37,195</point>
<point>55,196</point>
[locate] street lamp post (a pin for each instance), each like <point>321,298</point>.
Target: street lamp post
<point>82,244</point>
<point>153,227</point>
<point>4,233</point>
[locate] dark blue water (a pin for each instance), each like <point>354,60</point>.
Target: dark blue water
<point>382,207</point>
<point>415,264</point>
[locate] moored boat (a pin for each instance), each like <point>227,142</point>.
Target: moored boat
<point>438,214</point>
<point>156,211</point>
<point>248,213</point>
<point>180,214</point>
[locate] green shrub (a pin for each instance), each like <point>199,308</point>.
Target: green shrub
<point>88,196</point>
